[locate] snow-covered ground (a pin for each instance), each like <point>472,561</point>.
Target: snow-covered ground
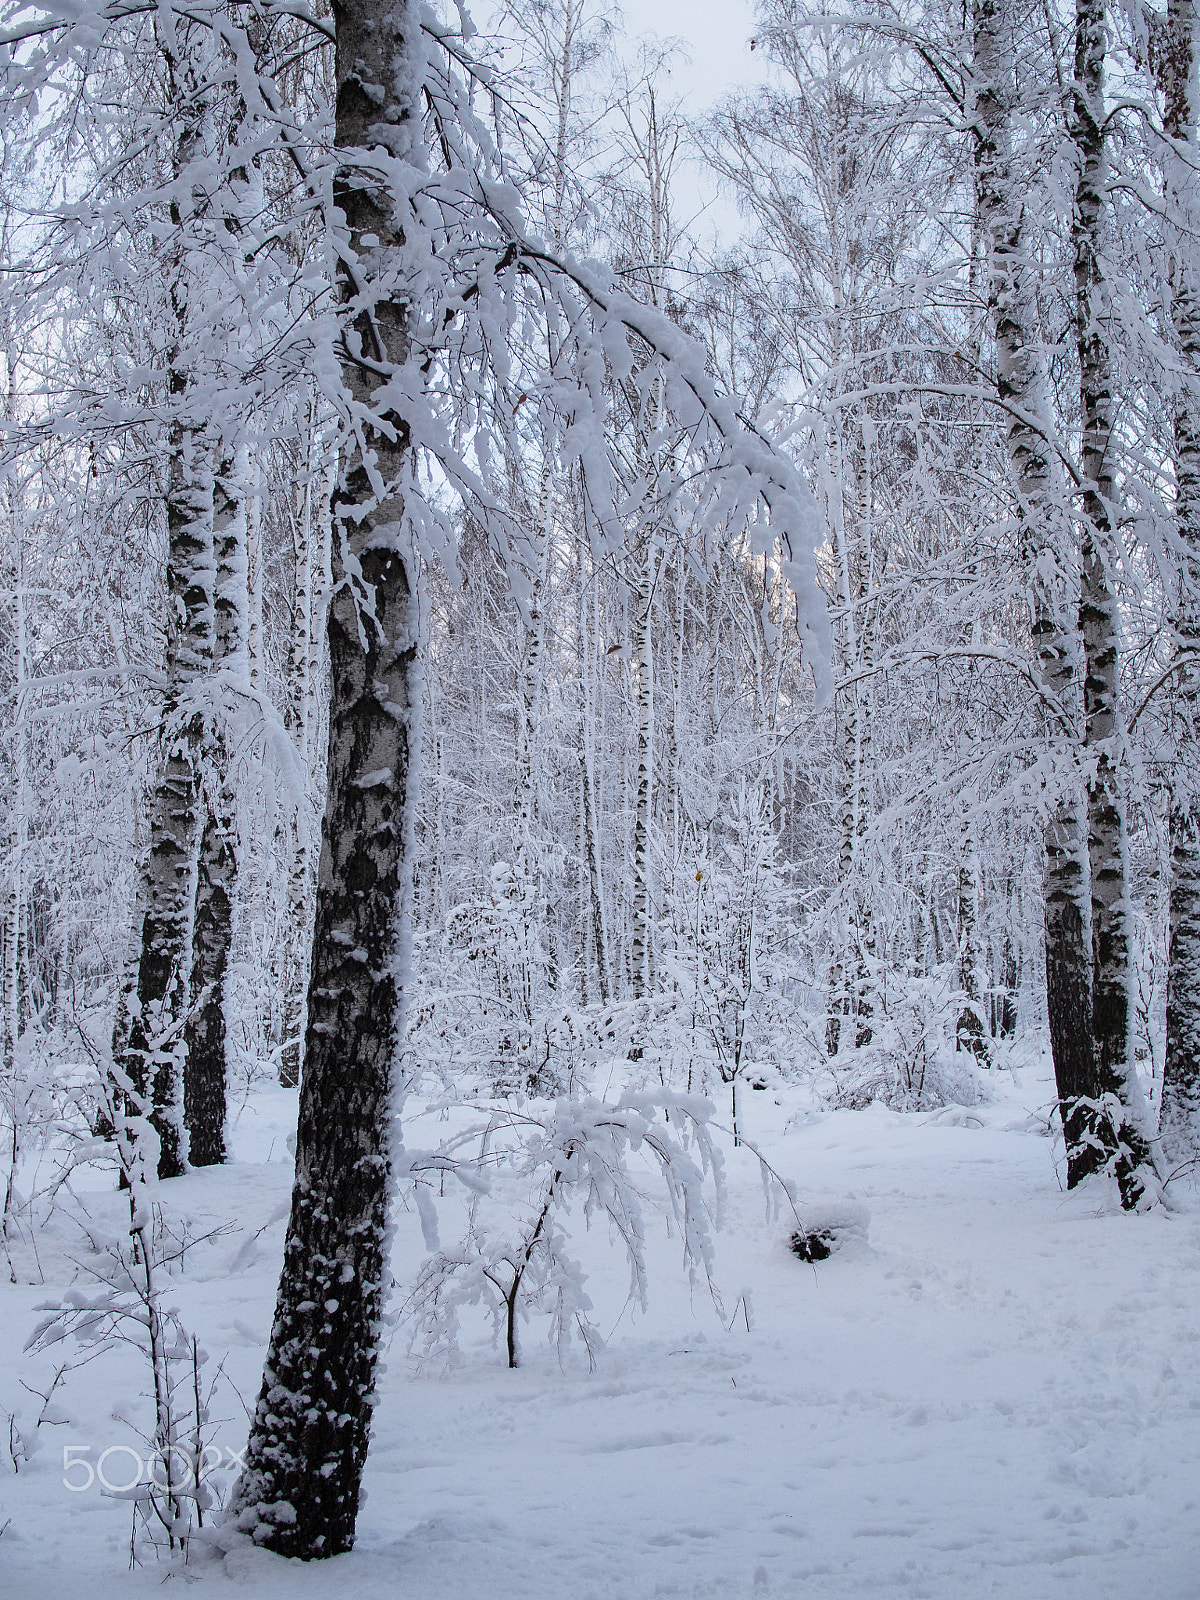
<point>997,1394</point>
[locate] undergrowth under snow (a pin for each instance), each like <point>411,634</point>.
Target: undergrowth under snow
<point>991,1389</point>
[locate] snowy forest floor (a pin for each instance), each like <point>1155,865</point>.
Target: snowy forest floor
<point>997,1394</point>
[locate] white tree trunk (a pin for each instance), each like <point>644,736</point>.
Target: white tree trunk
<point>204,1075</point>
<point>1118,1127</point>
<point>1049,560</point>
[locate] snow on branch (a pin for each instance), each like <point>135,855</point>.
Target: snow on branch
<point>519,354</point>
<point>576,1153</point>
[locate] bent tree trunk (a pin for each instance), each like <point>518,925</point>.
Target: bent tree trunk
<point>299,1492</point>
<point>1180,1120</point>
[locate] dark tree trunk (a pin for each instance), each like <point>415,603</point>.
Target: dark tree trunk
<point>204,1068</point>
<point>299,1493</point>
<point>1069,1003</point>
<point>1180,1118</point>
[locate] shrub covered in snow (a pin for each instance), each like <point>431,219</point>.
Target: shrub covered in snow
<point>910,1061</point>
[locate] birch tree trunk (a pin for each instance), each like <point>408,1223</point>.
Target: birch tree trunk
<point>1047,552</point>
<point>536,930</point>
<point>13,915</point>
<point>640,955</point>
<point>1117,1133</point>
<point>1180,1116</point>
<point>299,1492</point>
<point>157,992</point>
<point>303,671</point>
<point>590,636</point>
<point>850,983</point>
<point>969,1030</point>
<point>204,1074</point>
<point>148,1036</point>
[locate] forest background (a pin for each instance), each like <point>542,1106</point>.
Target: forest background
<point>689,798</point>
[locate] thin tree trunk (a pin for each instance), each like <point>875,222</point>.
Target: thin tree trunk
<point>641,954</point>
<point>1118,1131</point>
<point>148,1042</point>
<point>969,1033</point>
<point>529,872</point>
<point>14,892</point>
<point>151,1053</point>
<point>302,673</point>
<point>850,977</point>
<point>1180,1112</point>
<point>299,1493</point>
<point>204,1074</point>
<point>254,563</point>
<point>590,643</point>
<point>205,1068</point>
<point>592,854</point>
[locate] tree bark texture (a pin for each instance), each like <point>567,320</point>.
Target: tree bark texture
<point>642,899</point>
<point>1117,1134</point>
<point>306,676</point>
<point>1048,557</point>
<point>205,1067</point>
<point>299,1493</point>
<point>590,637</point>
<point>148,1035</point>
<point>969,1031</point>
<point>1180,1112</point>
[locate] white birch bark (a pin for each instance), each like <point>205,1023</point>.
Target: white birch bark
<point>1117,1132</point>
<point>204,1073</point>
<point>1048,558</point>
<point>304,670</point>
<point>642,670</point>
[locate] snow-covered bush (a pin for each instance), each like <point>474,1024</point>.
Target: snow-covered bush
<point>911,1062</point>
<point>126,1308</point>
<point>51,1102</point>
<point>513,1259</point>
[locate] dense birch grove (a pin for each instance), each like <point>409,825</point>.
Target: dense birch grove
<point>462,621</point>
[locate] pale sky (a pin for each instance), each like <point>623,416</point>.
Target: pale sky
<point>717,36</point>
